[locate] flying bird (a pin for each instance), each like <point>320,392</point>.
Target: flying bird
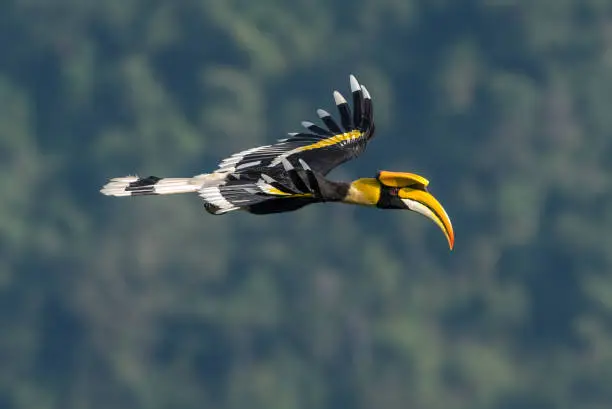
<point>291,173</point>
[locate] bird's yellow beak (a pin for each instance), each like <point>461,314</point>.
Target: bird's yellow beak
<point>424,203</point>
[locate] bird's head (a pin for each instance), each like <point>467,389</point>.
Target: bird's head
<point>398,190</point>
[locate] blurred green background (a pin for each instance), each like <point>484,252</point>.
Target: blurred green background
<point>505,105</point>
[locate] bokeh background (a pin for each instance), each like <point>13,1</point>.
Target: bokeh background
<point>505,105</point>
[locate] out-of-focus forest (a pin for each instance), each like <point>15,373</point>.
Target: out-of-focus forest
<point>505,105</point>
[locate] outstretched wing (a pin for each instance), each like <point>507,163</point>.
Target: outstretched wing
<point>322,147</point>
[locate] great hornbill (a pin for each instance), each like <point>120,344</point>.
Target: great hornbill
<point>290,174</point>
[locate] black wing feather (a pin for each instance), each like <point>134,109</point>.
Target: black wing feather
<point>345,111</point>
<point>357,108</point>
<point>316,129</point>
<point>329,122</point>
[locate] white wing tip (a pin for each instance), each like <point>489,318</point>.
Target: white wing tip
<point>354,83</point>
<point>287,165</point>
<point>307,124</point>
<point>339,98</point>
<point>304,164</point>
<point>366,94</point>
<point>267,178</point>
<point>322,113</point>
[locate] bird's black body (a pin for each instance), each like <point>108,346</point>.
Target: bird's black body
<point>280,205</point>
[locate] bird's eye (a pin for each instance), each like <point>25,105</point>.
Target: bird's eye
<point>394,191</point>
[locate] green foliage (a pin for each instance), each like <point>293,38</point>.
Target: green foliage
<point>152,303</point>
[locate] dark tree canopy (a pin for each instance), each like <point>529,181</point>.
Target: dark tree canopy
<point>141,303</point>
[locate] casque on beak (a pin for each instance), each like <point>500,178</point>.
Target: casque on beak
<point>413,193</point>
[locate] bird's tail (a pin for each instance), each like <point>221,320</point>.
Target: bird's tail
<point>153,185</point>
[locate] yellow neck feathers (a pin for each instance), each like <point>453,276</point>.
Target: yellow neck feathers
<point>364,192</point>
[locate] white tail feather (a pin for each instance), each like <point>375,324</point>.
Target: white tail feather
<point>116,186</point>
<point>135,186</point>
